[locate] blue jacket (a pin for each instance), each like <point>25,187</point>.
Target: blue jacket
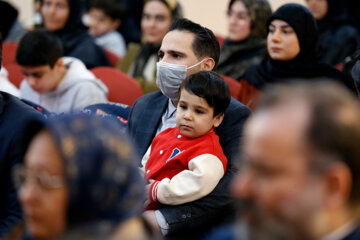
<point>14,114</point>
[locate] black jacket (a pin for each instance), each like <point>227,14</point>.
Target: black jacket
<point>14,115</point>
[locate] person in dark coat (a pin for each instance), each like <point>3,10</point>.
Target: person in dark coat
<point>246,43</point>
<point>291,44</point>
<point>338,38</point>
<point>187,48</point>
<point>14,115</point>
<point>140,59</point>
<point>64,20</point>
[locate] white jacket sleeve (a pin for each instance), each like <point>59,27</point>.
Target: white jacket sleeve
<point>144,160</point>
<point>205,171</point>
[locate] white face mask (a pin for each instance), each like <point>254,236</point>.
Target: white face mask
<point>169,77</point>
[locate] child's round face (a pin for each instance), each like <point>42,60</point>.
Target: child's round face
<point>194,116</point>
<point>100,23</point>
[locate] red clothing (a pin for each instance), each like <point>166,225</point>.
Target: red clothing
<point>171,153</point>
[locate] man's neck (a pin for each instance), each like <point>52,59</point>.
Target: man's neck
<point>337,224</point>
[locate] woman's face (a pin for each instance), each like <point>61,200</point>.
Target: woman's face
<point>156,20</point>
<point>55,14</point>
<point>43,194</point>
<point>282,42</point>
<point>239,22</point>
<point>319,8</point>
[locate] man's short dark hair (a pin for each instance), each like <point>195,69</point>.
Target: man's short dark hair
<point>38,48</point>
<point>205,43</point>
<point>115,9</point>
<point>210,86</point>
<point>333,131</point>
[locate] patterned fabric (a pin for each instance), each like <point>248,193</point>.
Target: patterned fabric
<point>109,110</point>
<point>103,182</point>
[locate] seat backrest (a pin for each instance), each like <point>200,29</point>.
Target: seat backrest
<point>220,39</point>
<point>15,74</point>
<point>112,57</point>
<point>9,53</point>
<point>122,88</point>
<point>233,85</point>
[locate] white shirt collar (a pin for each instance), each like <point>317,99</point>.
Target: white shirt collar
<point>168,119</point>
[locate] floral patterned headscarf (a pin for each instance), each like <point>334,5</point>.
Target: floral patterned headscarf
<point>103,181</point>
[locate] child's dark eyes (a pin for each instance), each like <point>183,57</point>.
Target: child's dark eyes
<point>184,107</point>
<point>199,111</point>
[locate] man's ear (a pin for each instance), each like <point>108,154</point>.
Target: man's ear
<point>59,62</point>
<point>218,119</point>
<point>208,64</point>
<point>338,185</point>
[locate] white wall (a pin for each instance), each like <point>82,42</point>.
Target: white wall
<point>212,13</point>
<point>25,8</point>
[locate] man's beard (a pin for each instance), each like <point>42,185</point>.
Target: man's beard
<point>254,223</point>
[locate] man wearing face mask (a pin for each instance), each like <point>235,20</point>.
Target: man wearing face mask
<point>186,49</point>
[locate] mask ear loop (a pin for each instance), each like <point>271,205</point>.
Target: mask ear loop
<point>196,64</point>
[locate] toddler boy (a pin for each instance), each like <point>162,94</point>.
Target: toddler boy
<point>186,163</point>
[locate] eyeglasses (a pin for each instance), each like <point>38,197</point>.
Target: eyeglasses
<point>42,179</point>
<point>244,16</point>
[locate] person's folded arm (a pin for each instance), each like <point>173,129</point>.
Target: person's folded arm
<point>204,173</point>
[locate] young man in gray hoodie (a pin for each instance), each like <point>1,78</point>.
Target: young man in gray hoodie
<point>59,84</point>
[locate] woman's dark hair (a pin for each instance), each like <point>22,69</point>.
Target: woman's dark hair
<point>173,6</point>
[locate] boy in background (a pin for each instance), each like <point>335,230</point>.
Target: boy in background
<point>59,84</point>
<point>104,18</point>
<point>186,163</point>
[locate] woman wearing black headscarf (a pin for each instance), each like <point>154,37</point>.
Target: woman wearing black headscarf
<point>63,18</point>
<point>246,42</point>
<point>337,37</point>
<point>291,44</point>
<point>140,60</point>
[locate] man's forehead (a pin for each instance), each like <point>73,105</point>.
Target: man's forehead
<point>178,41</point>
<point>281,126</point>
<point>32,69</point>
